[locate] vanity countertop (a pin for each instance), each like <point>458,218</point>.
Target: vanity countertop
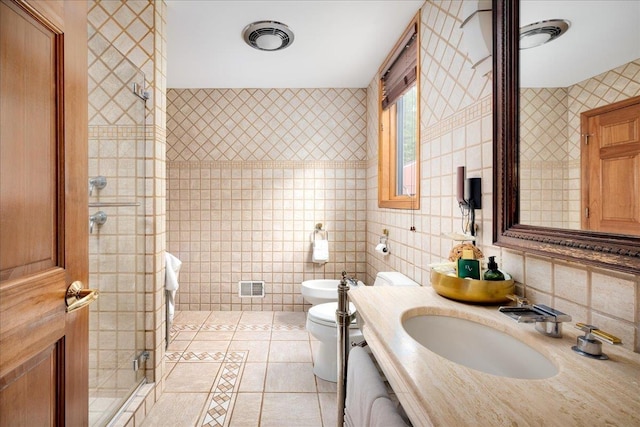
<point>436,391</point>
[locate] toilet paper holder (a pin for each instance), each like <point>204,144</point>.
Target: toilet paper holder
<point>383,243</point>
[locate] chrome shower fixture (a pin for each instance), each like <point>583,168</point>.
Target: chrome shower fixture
<point>98,183</point>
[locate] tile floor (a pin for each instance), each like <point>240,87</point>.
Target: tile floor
<point>242,369</point>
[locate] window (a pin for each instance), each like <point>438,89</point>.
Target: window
<point>399,142</point>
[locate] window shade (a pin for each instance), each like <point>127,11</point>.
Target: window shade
<point>402,71</point>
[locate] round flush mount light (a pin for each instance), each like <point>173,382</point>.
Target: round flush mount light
<point>542,32</point>
<point>268,35</point>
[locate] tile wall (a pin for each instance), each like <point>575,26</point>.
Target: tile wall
<point>117,248</point>
<point>457,132</point>
<point>250,174</point>
<point>544,159</point>
<point>137,29</point>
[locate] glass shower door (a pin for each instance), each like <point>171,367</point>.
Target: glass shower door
<point>116,239</point>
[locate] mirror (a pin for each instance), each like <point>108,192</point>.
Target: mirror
<point>615,250</point>
<point>560,80</point>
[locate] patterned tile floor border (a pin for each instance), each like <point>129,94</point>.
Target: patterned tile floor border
<point>220,404</point>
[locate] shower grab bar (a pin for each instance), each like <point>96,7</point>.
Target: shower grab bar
<point>112,204</point>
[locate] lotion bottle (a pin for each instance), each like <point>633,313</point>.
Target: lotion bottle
<point>493,273</point>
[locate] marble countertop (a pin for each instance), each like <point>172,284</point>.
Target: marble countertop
<point>436,391</point>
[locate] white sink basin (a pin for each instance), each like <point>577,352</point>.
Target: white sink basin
<point>478,347</point>
<point>319,291</point>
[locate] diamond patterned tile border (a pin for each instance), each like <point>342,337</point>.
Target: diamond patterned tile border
<point>173,356</point>
<point>449,84</point>
<point>266,124</point>
<point>543,124</point>
<point>224,391</point>
<point>254,327</point>
<point>216,327</point>
<point>289,327</point>
<point>219,408</point>
<point>202,356</point>
<point>120,35</point>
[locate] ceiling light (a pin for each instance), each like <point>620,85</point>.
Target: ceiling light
<point>268,35</point>
<point>542,32</point>
<point>477,31</point>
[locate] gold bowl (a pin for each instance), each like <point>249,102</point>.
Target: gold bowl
<point>471,290</point>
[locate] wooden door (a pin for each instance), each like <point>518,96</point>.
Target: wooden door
<point>43,212</point>
<point>611,168</point>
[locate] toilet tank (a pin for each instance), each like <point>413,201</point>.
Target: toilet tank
<point>393,278</point>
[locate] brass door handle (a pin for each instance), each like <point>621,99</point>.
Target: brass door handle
<point>77,297</point>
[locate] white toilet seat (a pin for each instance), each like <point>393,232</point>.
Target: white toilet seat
<point>325,314</point>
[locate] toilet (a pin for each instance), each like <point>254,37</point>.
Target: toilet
<point>321,324</point>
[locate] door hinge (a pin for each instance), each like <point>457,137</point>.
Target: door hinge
<point>586,138</point>
<point>143,357</point>
<point>586,212</point>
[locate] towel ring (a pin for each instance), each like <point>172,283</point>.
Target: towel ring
<point>324,234</point>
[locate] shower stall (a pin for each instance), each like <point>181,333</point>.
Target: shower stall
<point>117,229</point>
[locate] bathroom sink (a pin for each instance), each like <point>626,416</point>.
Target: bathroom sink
<point>478,346</point>
<point>319,291</point>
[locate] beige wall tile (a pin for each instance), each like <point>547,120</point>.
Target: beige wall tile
<point>613,296</point>
<point>626,331</point>
<point>571,283</point>
<point>538,274</point>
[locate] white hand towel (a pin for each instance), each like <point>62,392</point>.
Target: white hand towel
<point>171,273</point>
<point>320,251</point>
<point>364,386</point>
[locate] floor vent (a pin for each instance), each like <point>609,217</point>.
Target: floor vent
<point>251,289</point>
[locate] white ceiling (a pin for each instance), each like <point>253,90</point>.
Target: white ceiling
<point>342,43</point>
<point>337,43</point>
<point>603,35</point>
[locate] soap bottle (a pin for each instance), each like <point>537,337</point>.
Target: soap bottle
<point>468,266</point>
<point>493,273</point>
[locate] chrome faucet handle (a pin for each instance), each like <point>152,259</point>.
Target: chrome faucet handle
<point>551,320</point>
<point>590,344</point>
<point>349,279</point>
<point>98,182</point>
<point>98,218</point>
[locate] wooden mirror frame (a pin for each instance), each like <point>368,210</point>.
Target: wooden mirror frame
<point>610,251</point>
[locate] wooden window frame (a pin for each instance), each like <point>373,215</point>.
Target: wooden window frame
<point>387,132</point>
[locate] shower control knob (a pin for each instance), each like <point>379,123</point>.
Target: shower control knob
<point>98,218</point>
<point>98,183</point>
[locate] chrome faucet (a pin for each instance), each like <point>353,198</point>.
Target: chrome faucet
<point>547,320</point>
<point>352,281</point>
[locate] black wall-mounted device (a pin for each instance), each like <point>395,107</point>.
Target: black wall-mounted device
<point>473,193</point>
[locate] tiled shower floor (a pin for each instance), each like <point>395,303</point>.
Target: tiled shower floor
<point>242,369</point>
